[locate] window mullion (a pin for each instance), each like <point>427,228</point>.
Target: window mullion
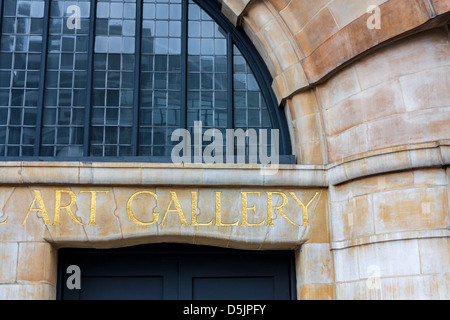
<point>230,82</point>
<point>40,105</point>
<point>89,84</point>
<point>184,66</point>
<point>137,78</point>
<point>1,18</point>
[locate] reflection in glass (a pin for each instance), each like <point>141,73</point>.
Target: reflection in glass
<point>183,76</point>
<point>250,109</point>
<point>20,55</point>
<point>207,70</point>
<point>113,78</point>
<point>160,91</point>
<point>66,78</point>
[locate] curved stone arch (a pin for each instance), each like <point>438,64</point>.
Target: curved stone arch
<point>304,33</point>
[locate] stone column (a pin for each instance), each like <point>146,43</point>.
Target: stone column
<point>390,236</point>
<point>27,271</point>
<point>315,274</point>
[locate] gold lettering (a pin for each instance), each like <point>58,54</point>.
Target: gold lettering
<point>4,222</point>
<point>194,195</point>
<point>270,208</point>
<point>130,212</point>
<point>40,202</point>
<point>219,212</point>
<point>174,199</point>
<point>58,207</point>
<point>245,210</point>
<point>304,208</point>
<point>93,204</point>
<point>174,206</point>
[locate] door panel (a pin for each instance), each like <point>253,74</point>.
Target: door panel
<point>122,288</point>
<point>118,275</point>
<point>233,288</point>
<point>241,276</point>
<point>172,272</point>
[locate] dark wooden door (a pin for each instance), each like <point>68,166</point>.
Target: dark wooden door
<point>177,272</point>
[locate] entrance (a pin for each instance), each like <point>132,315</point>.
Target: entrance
<point>177,272</point>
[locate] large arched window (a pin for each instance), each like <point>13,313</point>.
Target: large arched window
<point>112,79</point>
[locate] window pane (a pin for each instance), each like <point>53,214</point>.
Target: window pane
<point>20,56</point>
<point>250,109</point>
<point>64,106</point>
<point>112,97</point>
<point>207,72</point>
<point>160,92</point>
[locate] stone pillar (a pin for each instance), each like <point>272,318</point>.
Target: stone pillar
<point>27,271</point>
<point>315,274</point>
<point>390,237</point>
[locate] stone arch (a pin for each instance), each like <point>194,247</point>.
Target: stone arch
<point>306,44</point>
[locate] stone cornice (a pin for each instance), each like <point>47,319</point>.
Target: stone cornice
<point>391,236</point>
<point>432,154</point>
<point>421,155</point>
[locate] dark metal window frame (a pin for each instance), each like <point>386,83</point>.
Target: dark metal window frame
<point>235,36</point>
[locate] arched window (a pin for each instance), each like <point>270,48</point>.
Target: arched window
<point>113,79</point>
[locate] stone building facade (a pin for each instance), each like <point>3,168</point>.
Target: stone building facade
<point>368,114</point>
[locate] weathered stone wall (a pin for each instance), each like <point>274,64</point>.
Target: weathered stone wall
<point>392,229</point>
<point>29,270</point>
<point>369,116</point>
<point>398,95</point>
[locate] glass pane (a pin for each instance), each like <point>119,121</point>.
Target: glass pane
<point>66,75</point>
<point>207,71</point>
<point>20,57</point>
<point>112,96</point>
<point>160,92</point>
<point>250,107</point>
